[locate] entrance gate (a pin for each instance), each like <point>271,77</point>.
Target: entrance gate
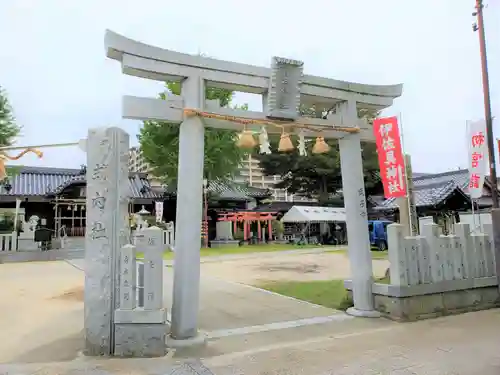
<point>284,88</point>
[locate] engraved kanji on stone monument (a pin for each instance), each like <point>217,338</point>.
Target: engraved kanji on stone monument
<point>152,245</point>
<point>283,99</point>
<point>127,277</point>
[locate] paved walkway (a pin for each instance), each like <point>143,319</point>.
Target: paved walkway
<point>459,345</point>
<point>226,305</point>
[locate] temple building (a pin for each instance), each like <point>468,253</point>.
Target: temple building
<point>440,195</point>
<point>57,197</point>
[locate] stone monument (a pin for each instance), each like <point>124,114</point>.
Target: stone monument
<point>283,88</point>
<point>107,232</point>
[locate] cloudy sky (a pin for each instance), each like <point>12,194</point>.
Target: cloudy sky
<point>60,83</point>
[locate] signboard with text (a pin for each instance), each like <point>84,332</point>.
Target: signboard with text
<point>283,100</point>
<point>390,156</point>
<point>477,146</point>
<point>159,211</point>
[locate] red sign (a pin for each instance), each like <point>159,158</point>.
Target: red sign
<point>390,156</point>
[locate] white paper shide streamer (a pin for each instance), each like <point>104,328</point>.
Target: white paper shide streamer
<point>302,144</point>
<point>265,147</point>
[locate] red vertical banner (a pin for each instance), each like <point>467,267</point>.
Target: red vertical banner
<point>498,143</point>
<point>390,156</point>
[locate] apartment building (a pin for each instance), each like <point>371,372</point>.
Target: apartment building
<point>136,162</point>
<point>249,172</point>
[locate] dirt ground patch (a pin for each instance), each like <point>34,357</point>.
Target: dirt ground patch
<point>296,267</point>
<point>75,294</point>
<point>42,311</point>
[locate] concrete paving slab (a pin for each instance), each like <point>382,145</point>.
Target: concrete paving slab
<point>460,345</point>
<point>456,345</point>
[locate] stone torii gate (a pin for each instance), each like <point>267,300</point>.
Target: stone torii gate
<point>283,88</point>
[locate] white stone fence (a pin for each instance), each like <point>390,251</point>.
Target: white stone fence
<point>432,258</point>
<point>8,242</point>
<point>167,235</point>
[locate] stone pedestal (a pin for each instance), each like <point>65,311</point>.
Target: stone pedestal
<point>107,231</point>
<point>142,331</point>
<point>27,244</point>
<point>223,230</point>
<point>224,243</point>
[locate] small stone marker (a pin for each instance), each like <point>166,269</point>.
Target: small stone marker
<point>153,268</point>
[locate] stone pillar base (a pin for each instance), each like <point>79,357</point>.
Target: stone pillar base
<point>140,340</point>
<point>198,340</point>
<point>363,313</point>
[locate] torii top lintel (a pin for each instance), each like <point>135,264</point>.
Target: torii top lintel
<point>142,60</point>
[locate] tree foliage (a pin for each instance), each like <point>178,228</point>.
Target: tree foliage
<point>318,175</point>
<point>9,129</point>
<point>159,143</point>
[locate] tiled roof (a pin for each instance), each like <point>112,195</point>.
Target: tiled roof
<point>232,191</point>
<point>42,181</point>
<point>432,189</point>
<point>459,177</point>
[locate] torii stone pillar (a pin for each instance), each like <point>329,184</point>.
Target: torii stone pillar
<point>353,188</point>
<point>188,216</point>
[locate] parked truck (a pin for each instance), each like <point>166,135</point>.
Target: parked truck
<point>378,233</point>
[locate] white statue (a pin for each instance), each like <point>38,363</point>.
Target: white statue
<point>29,226</point>
<point>33,222</point>
<point>302,144</point>
<point>265,147</point>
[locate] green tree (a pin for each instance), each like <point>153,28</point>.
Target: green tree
<point>318,175</point>
<point>9,129</point>
<point>159,143</point>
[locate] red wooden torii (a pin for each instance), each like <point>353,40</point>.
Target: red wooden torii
<point>248,217</point>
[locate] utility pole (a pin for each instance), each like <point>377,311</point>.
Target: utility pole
<point>495,212</point>
<point>479,27</point>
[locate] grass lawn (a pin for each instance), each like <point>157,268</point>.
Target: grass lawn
<point>376,254</point>
<point>241,250</point>
<point>328,293</point>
